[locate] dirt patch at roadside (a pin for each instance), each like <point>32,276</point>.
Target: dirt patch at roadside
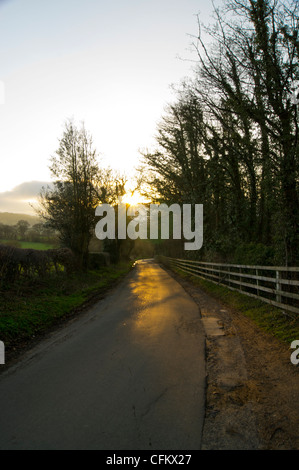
<point>252,399</point>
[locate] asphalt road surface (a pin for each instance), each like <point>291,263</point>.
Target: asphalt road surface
<point>127,375</point>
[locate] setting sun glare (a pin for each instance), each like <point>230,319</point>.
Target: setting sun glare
<point>133,198</point>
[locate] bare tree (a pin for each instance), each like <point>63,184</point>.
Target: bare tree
<point>69,207</point>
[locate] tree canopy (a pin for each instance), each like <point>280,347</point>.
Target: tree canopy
<point>230,140</point>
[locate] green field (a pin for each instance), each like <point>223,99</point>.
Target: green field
<point>32,245</point>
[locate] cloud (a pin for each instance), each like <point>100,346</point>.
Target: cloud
<point>18,199</point>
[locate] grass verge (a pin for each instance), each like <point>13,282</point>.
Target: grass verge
<point>31,308</point>
<point>283,325</point>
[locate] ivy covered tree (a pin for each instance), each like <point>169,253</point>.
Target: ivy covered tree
<point>230,141</point>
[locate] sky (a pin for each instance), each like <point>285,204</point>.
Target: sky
<point>107,63</point>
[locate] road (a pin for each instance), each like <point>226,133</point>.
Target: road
<point>129,374</point>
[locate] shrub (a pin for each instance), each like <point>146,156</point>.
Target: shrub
<point>96,260</point>
<point>254,254</point>
<point>16,262</point>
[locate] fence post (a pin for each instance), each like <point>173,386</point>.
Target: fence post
<point>257,283</point>
<point>278,286</point>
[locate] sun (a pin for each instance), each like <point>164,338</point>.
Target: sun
<point>133,198</point>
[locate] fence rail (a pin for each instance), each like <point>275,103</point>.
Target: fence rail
<point>276,285</point>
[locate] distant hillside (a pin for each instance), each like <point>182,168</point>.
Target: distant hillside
<point>10,218</point>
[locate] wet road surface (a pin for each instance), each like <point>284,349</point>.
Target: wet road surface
<point>128,374</point>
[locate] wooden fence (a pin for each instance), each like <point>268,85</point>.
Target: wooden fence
<point>276,285</point>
